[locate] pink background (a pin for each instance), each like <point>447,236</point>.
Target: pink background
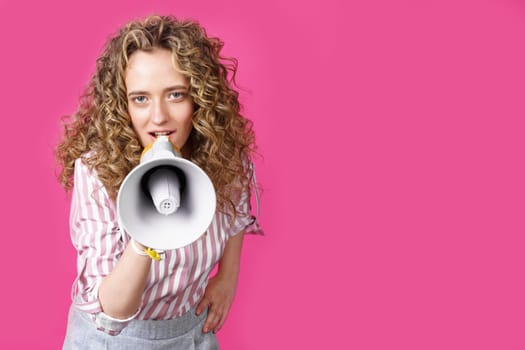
<point>393,168</point>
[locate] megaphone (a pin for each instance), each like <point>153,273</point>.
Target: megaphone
<point>166,202</point>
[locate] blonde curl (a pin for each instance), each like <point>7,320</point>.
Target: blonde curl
<point>100,132</point>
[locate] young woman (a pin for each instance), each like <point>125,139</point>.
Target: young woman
<point>157,76</point>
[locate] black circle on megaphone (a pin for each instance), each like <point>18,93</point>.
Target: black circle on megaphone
<point>177,172</point>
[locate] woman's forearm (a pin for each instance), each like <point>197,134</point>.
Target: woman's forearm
<point>230,262</point>
<point>120,293</point>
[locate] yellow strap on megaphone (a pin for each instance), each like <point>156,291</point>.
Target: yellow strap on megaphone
<point>153,254</point>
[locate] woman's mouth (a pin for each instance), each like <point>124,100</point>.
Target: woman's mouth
<point>161,133</point>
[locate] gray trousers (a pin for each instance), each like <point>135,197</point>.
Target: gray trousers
<point>182,333</point>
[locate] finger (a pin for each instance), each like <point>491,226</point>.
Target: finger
<point>221,321</point>
<point>204,303</point>
<point>212,319</point>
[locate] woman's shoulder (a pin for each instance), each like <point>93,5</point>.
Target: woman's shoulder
<point>84,166</point>
<point>86,177</point>
<point>84,159</point>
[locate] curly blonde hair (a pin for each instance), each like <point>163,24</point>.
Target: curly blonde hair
<point>101,131</point>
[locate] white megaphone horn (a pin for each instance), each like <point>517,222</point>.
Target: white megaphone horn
<point>166,202</point>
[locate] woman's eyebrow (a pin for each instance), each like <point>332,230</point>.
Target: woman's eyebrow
<point>176,87</point>
<point>169,88</point>
<point>135,93</point>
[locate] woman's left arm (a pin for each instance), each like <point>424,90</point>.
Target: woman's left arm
<point>219,294</point>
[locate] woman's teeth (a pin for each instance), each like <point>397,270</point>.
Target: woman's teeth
<point>162,133</point>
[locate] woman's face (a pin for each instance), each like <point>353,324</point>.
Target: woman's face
<point>158,99</point>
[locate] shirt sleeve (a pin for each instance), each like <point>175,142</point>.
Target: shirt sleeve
<point>245,221</point>
<point>99,244</point>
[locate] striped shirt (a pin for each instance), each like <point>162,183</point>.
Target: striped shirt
<point>175,284</point>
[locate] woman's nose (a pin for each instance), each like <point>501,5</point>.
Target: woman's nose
<point>160,114</point>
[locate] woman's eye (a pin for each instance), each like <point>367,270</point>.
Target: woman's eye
<point>140,99</point>
<point>176,95</point>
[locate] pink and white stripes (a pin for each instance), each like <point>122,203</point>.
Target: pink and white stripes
<point>175,284</point>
